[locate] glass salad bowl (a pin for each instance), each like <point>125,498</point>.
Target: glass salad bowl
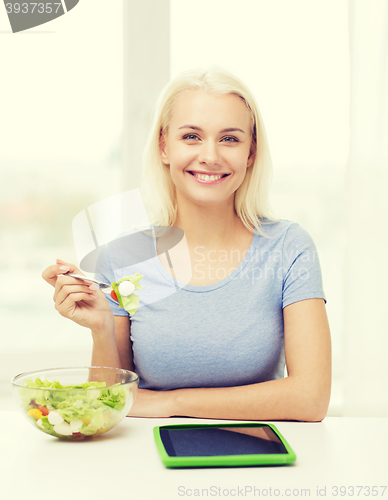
<point>75,403</point>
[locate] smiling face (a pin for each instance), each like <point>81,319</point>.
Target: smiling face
<point>207,147</point>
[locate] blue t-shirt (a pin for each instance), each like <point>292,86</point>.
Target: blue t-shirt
<point>228,333</point>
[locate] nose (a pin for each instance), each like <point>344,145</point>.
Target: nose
<point>209,153</point>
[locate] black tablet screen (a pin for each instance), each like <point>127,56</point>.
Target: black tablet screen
<point>214,441</point>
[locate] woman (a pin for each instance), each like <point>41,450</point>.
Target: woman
<point>254,301</point>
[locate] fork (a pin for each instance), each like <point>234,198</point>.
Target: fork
<point>104,287</point>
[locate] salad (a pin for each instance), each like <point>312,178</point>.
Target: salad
<point>123,292</point>
<point>80,411</point>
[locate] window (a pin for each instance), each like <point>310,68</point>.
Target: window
<point>61,106</point>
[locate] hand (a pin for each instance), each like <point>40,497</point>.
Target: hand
<point>79,301</point>
<point>156,404</point>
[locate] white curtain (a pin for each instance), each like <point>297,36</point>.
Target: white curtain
<point>366,275</point>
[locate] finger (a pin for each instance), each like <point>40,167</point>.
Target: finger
<point>70,290</point>
<point>68,307</point>
<point>52,272</point>
<point>63,288</point>
<point>72,267</point>
<point>65,279</point>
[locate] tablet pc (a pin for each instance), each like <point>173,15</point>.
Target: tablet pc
<point>225,445</point>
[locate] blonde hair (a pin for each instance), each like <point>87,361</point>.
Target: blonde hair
<point>158,191</point>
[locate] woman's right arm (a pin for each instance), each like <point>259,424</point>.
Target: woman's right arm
<point>104,352</point>
<point>87,306</point>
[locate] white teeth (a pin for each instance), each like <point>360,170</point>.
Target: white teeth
<point>204,177</point>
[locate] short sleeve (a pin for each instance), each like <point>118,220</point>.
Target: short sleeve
<point>104,272</point>
<point>302,277</point>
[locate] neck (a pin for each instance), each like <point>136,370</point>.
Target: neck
<point>209,226</point>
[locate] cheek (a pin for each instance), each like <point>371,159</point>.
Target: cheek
<point>182,156</point>
<point>238,155</point>
<point>239,163</point>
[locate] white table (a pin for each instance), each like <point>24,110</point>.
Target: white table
<point>124,464</point>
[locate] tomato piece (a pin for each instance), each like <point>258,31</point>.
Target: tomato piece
<point>45,411</point>
<point>114,296</point>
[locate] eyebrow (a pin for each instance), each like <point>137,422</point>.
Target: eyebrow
<point>233,129</point>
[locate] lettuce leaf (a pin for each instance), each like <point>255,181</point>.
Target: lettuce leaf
<point>131,302</point>
<point>89,402</point>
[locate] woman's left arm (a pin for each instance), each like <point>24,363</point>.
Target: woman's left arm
<point>303,395</point>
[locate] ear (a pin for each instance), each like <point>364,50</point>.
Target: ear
<point>162,149</point>
<point>251,158</point>
<point>252,149</point>
<point>252,154</point>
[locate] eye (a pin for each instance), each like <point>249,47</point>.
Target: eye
<point>234,139</point>
<point>190,136</point>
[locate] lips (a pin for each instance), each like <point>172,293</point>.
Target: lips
<point>192,172</point>
<point>206,179</point>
